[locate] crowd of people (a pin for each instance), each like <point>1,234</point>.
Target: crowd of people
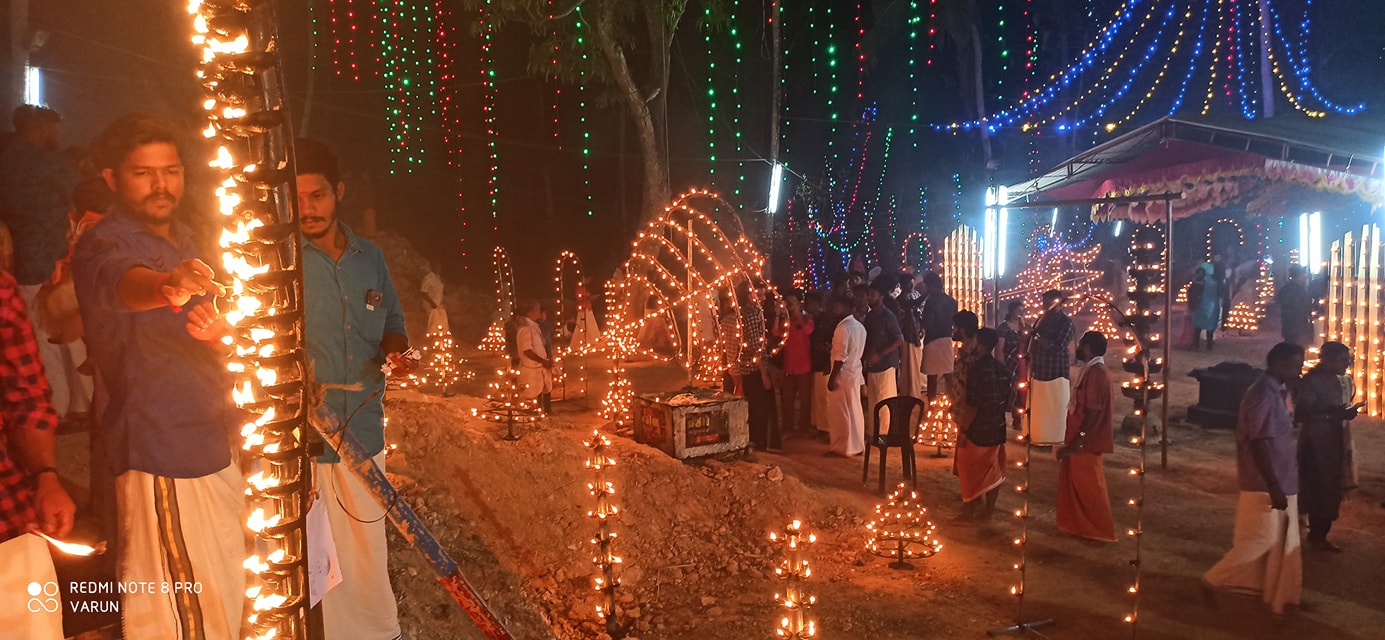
<point>143,366</point>
<point>109,318</point>
<point>835,357</point>
<point>863,343</point>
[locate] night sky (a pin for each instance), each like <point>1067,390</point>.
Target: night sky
<point>105,58</point>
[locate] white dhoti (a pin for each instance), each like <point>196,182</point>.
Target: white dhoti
<point>880,386</point>
<point>911,377</point>
<point>535,380</point>
<point>1046,421</point>
<point>32,607</point>
<point>820,401</point>
<point>937,357</point>
<point>71,390</point>
<point>1265,557</point>
<point>185,537</point>
<point>846,424</point>
<point>362,607</point>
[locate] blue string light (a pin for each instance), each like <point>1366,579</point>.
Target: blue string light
<point>1231,29</point>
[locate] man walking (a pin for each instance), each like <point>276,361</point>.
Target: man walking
<point>1265,557</point>
<point>1084,506</point>
<point>1049,364</point>
<point>845,419</point>
<point>979,461</point>
<point>36,184</point>
<point>145,296</point>
<point>354,327</point>
<point>883,343</point>
<point>30,494</point>
<point>1321,411</point>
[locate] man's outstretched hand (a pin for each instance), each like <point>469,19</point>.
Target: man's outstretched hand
<point>190,278</point>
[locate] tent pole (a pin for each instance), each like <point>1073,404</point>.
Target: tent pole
<point>1168,331</point>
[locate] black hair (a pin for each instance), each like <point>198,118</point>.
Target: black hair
<point>313,158</point>
<point>130,132</point>
<point>883,284</point>
<point>1283,352</point>
<point>988,338</point>
<point>1330,349</point>
<point>967,322</point>
<point>933,280</point>
<point>1010,308</point>
<point>1051,295</point>
<point>92,195</point>
<point>1096,341</point>
<point>27,117</point>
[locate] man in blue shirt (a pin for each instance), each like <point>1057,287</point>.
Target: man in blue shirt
<point>354,325</point>
<point>145,297</point>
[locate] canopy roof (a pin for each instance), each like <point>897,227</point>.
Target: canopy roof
<point>1215,163</point>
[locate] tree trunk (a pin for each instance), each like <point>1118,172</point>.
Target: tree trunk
<point>979,82</point>
<point>656,180</point>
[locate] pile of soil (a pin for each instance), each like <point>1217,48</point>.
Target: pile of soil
<point>694,537</point>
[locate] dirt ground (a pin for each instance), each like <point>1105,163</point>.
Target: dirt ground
<point>698,561</point>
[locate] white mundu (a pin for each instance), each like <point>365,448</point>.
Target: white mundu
<point>1046,422</point>
<point>845,419</point>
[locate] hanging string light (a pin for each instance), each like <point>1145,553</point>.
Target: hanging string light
<point>1131,63</point>
<point>486,25</point>
<point>583,51</point>
<point>452,117</point>
<point>740,79</point>
<point>793,569</point>
<point>239,73</point>
<point>410,79</point>
<point>713,97</point>
<point>347,21</point>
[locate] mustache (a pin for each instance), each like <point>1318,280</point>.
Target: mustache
<point>160,197</point>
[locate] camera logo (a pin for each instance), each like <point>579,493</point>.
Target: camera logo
<point>43,597</point>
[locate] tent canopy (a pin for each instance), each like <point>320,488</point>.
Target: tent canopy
<point>1216,163</point>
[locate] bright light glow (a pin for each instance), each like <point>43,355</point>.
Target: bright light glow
<point>1315,230</point>
<point>993,233</point>
<point>1053,223</point>
<point>1310,241</point>
<point>1000,240</point>
<point>33,86</point>
<point>776,178</point>
<point>1119,225</point>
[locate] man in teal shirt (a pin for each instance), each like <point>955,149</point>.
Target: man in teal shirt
<point>354,326</point>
